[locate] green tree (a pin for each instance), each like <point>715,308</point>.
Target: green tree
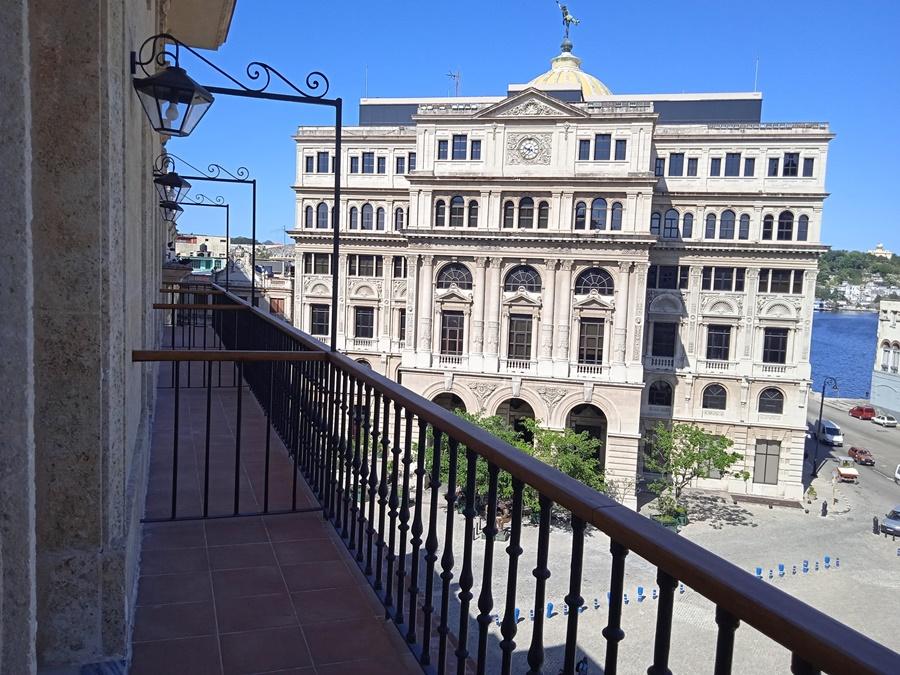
<point>576,454</point>
<point>682,454</point>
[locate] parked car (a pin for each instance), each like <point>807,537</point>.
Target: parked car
<point>862,456</point>
<point>830,433</point>
<point>885,420</point>
<point>897,475</point>
<point>891,522</point>
<point>845,472</point>
<point>863,412</point>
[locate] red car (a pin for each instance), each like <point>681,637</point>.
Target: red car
<point>863,412</point>
<point>862,456</point>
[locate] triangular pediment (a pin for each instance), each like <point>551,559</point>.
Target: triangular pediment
<point>454,294</point>
<point>595,301</point>
<point>530,103</point>
<point>522,299</point>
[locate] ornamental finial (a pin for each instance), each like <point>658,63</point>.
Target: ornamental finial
<point>568,20</point>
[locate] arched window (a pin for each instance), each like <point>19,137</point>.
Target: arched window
<point>509,211</point>
<point>655,221</point>
<point>543,215</point>
<point>670,225</point>
<point>895,357</point>
<point>744,227</point>
<point>660,393</point>
<point>598,214</point>
<point>524,277</point>
<point>379,219</point>
<point>768,224</point>
<point>455,273</point>
<point>726,225</point>
<point>715,397</point>
<point>710,226</point>
<point>615,222</point>
<point>785,226</point>
<point>367,215</point>
<point>580,215</point>
<point>322,216</point>
<point>687,226</point>
<point>308,217</point>
<point>473,214</point>
<point>354,218</point>
<point>885,355</point>
<point>440,212</point>
<point>398,219</point>
<point>457,211</point>
<point>526,212</point>
<point>802,228</point>
<point>771,400</point>
<point>594,279</point>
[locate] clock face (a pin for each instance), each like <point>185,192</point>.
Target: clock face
<point>529,148</point>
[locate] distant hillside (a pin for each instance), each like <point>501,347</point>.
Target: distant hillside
<point>854,267</point>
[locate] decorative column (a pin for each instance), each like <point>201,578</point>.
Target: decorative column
<point>562,312</point>
<point>426,295</point>
<point>492,302</point>
<point>409,347</point>
<point>548,306</point>
<point>478,297</point>
<point>386,302</point>
<point>342,306</point>
<point>635,336</point>
<point>620,319</point>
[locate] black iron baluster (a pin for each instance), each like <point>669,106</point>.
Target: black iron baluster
<point>663,640</point>
<point>363,474</point>
<point>431,544</point>
<point>800,666</point>
<point>353,471</point>
<point>382,496</point>
<point>574,601</point>
<point>613,631</point>
<point>340,451</point>
<point>416,541</point>
<point>175,439</point>
<point>373,485</point>
<point>347,459</point>
<point>404,517</point>
<point>508,627</point>
<point>237,441</point>
<point>335,450</point>
<point>465,576</point>
<point>447,556</point>
<point>206,442</point>
<point>541,574</point>
<point>486,597</point>
<point>728,624</point>
<point>393,502</point>
<point>298,417</point>
<point>268,436</point>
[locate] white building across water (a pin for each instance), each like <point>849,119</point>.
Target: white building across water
<point>592,260</point>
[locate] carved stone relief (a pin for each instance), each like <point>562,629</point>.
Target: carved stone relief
<point>551,396</point>
<point>528,148</point>
<point>482,390</point>
<point>532,108</point>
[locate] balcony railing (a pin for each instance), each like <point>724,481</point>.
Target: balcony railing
<point>717,366</point>
<point>517,365</point>
<point>364,344</point>
<point>450,360</point>
<point>659,362</point>
<point>385,465</point>
<point>589,369</point>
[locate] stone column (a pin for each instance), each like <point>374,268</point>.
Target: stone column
<point>492,302</point>
<point>620,318</point>
<point>562,314</point>
<point>426,296</point>
<point>478,297</point>
<point>548,306</point>
<point>412,273</point>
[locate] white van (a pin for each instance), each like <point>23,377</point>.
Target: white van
<point>830,433</point>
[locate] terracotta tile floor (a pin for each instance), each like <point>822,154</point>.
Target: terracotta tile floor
<point>256,594</point>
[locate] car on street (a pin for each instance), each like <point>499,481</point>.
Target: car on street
<point>830,433</point>
<point>891,522</point>
<point>897,475</point>
<point>863,412</point>
<point>885,420</point>
<point>861,456</point>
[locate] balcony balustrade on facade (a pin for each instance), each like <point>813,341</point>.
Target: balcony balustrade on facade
<point>588,369</point>
<point>717,366</point>
<point>517,365</point>
<point>659,362</point>
<point>398,477</point>
<point>365,344</point>
<point>450,360</point>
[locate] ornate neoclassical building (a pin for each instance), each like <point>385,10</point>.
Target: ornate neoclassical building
<point>591,260</point>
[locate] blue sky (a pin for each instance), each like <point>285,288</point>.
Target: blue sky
<point>822,60</point>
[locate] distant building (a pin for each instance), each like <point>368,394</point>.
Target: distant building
<point>207,252</point>
<point>886,377</point>
<point>881,252</point>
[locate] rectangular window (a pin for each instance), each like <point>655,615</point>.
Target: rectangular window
<point>780,281</point>
<point>399,267</point>
<point>400,165</point>
<point>765,462</point>
<point>475,150</point>
<point>791,164</point>
<point>692,166</point>
<point>401,325</point>
<point>368,162</point>
<point>364,265</point>
<point>321,162</point>
<point>659,169</point>
<point>732,164</point>
<point>723,278</point>
<point>775,345</point>
<point>442,149</point>
<point>319,319</point>
<point>683,274</point>
<point>584,149</point>
<point>412,161</point>
<point>773,167</point>
<point>763,281</point>
<point>601,146</point>
<point>621,146</point>
<point>808,163</point>
<point>354,165</point>
<point>676,164</point>
<point>452,327</point>
<point>749,167</point>
<point>309,163</point>
<point>664,336</point>
<point>718,342</point>
<point>739,278</point>
<point>460,141</point>
<point>590,341</point>
<point>364,324</point>
<point>519,346</point>
<point>797,286</point>
<point>715,166</point>
<point>382,165</point>
<point>663,276</point>
<point>317,263</point>
<point>706,281</point>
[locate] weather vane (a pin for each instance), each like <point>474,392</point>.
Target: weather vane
<point>568,19</point>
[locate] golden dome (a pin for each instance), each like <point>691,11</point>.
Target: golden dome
<point>565,72</point>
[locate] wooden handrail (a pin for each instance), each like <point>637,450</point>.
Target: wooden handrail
<point>190,291</point>
<point>141,355</point>
<point>170,305</point>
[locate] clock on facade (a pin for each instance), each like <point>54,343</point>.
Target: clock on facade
<point>529,148</point>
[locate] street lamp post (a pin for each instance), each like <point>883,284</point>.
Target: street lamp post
<point>220,203</point>
<point>834,387</point>
<point>175,103</point>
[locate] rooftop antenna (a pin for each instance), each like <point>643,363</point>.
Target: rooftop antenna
<point>756,75</point>
<point>457,78</point>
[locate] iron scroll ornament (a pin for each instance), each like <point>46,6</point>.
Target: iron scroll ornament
<point>206,201</point>
<point>166,162</point>
<point>164,49</point>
